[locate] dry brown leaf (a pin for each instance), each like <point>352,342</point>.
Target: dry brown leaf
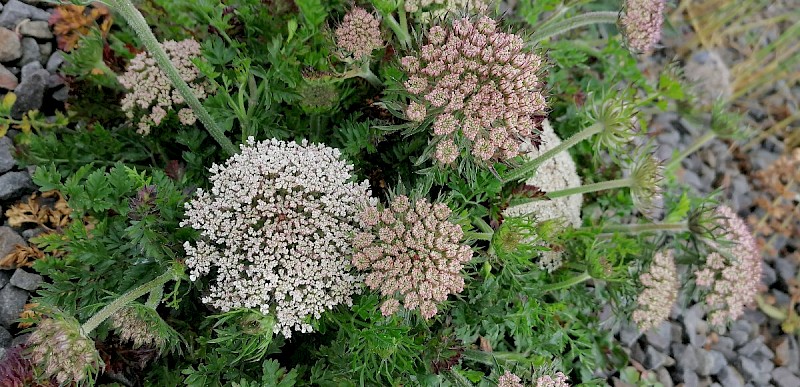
<point>28,313</point>
<point>70,22</point>
<point>22,256</point>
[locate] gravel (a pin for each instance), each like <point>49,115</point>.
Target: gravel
<point>24,280</point>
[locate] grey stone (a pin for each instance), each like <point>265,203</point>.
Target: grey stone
<point>14,184</point>
<point>660,336</point>
<point>664,377</point>
<point>725,345</point>
<point>45,50</point>
<point>696,326</point>
<point>687,358</point>
<point>676,331</point>
<point>30,51</point>
<point>637,353</point>
<point>54,80</point>
<point>756,317</point>
<point>753,371</point>
<point>24,280</point>
<point>768,275</point>
<point>8,80</point>
<point>787,353</point>
<point>5,338</point>
<point>756,348</point>
<point>6,155</point>
<point>785,378</point>
<point>762,158</point>
<point>786,269</point>
<point>12,301</point>
<point>21,339</point>
<point>781,299</point>
<point>55,61</point>
<point>654,359</point>
<point>5,276</point>
<point>628,334</point>
<point>691,179</point>
<point>9,239</point>
<point>37,29</point>
<point>15,11</point>
<point>62,94</point>
<point>741,332</point>
<point>730,377</point>
<point>689,378</point>
<point>716,360</point>
<point>10,45</point>
<point>32,232</point>
<point>30,93</point>
<point>29,69</point>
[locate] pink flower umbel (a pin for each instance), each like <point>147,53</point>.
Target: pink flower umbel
<point>509,380</point>
<point>479,85</point>
<point>412,255</point>
<point>660,292</point>
<point>558,380</point>
<point>359,34</point>
<point>732,274</point>
<point>62,351</point>
<point>641,23</point>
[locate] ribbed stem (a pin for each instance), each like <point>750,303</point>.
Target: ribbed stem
<point>107,311</point>
<point>601,186</point>
<point>524,170</point>
<point>135,19</point>
<point>697,144</point>
<point>481,236</point>
<point>402,33</point>
<point>589,18</point>
<point>646,227</point>
<point>567,283</point>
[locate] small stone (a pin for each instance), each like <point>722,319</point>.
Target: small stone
<point>30,51</point>
<point>15,184</point>
<point>5,339</point>
<point>6,154</point>
<point>730,377</point>
<point>687,358</point>
<point>785,378</point>
<point>691,179</point>
<point>786,269</point>
<point>696,326</point>
<point>24,280</point>
<point>32,232</point>
<point>36,29</point>
<point>10,45</point>
<point>16,11</point>
<point>753,371</point>
<point>717,361</point>
<point>30,93</point>
<point>741,332</point>
<point>29,69</point>
<point>676,331</point>
<point>725,345</point>
<point>12,302</point>
<point>19,340</point>
<point>768,275</point>
<point>628,334</point>
<point>660,336</point>
<point>756,347</point>
<point>62,94</point>
<point>664,378</point>
<point>8,80</point>
<point>637,353</point>
<point>55,61</point>
<point>45,50</point>
<point>654,359</point>
<point>689,378</point>
<point>9,239</point>
<point>5,277</point>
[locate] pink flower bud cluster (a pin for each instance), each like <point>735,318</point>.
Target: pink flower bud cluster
<point>509,380</point>
<point>359,33</point>
<point>733,273</point>
<point>660,291</point>
<point>559,380</point>
<point>479,87</point>
<point>276,229</point>
<point>151,90</point>
<point>412,255</point>
<point>433,9</point>
<point>132,328</point>
<point>641,23</point>
<point>61,350</point>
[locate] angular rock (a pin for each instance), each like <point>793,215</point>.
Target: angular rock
<point>664,378</point>
<point>29,69</point>
<point>9,239</point>
<point>5,338</point>
<point>628,334</point>
<point>6,155</point>
<point>660,337</point>
<point>696,326</point>
<point>654,359</point>
<point>36,29</point>
<point>756,349</point>
<point>45,50</point>
<point>768,275</point>
<point>5,276</point>
<point>754,372</point>
<point>55,61</point>
<point>21,339</point>
<point>637,353</point>
<point>730,377</point>
<point>62,94</point>
<point>30,51</point>
<point>785,378</point>
<point>12,302</point>
<point>717,361</point>
<point>14,184</point>
<point>786,269</point>
<point>15,11</point>
<point>30,93</point>
<point>687,357</point>
<point>32,232</point>
<point>10,45</point>
<point>24,280</point>
<point>724,345</point>
<point>8,80</point>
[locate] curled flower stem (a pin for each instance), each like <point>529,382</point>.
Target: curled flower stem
<point>567,283</point>
<point>646,227</point>
<point>107,311</point>
<point>366,73</point>
<point>525,170</point>
<point>135,19</point>
<point>697,144</point>
<point>402,33</point>
<point>589,18</point>
<point>601,186</point>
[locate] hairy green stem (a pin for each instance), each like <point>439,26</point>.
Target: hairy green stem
<point>589,18</point>
<point>567,283</point>
<point>137,22</point>
<point>697,144</point>
<point>646,227</point>
<point>481,236</point>
<point>402,33</point>
<point>594,187</point>
<point>525,170</point>
<point>107,311</point>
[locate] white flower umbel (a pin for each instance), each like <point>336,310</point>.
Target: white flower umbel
<point>276,230</point>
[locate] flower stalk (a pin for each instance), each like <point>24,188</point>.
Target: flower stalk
<point>135,19</point>
<point>594,187</point>
<point>697,144</point>
<point>567,283</point>
<point>558,28</point>
<point>638,228</point>
<point>400,29</point>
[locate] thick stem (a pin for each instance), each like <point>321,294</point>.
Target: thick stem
<point>524,170</point>
<point>107,311</point>
<point>142,29</point>
<point>402,33</point>
<point>697,144</point>
<point>481,236</point>
<point>567,283</point>
<point>589,18</point>
<point>646,227</point>
<point>601,186</point>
